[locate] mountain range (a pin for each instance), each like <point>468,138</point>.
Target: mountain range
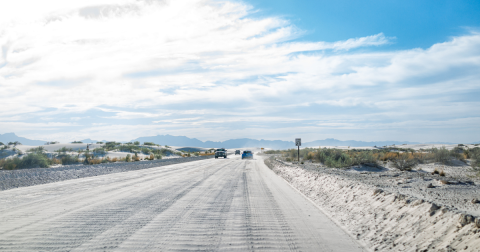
<point>232,143</point>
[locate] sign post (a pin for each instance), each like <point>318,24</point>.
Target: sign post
<point>298,143</point>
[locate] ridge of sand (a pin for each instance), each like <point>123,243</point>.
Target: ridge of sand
<point>382,220</point>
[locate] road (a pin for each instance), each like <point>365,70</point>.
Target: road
<point>215,204</point>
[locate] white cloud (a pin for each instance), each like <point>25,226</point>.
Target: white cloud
<point>172,60</point>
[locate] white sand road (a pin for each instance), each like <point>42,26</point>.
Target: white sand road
<point>208,205</point>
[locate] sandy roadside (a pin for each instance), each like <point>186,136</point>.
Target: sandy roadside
<point>385,219</point>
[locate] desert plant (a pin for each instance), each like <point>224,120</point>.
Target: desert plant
<point>34,160</point>
<point>158,156</point>
<point>442,155</point>
<point>128,158</point>
<point>1,143</point>
<point>64,150</point>
<point>475,159</point>
<point>77,142</point>
<point>136,143</point>
<point>146,151</point>
<point>99,142</point>
<point>99,152</point>
<point>441,173</point>
<point>405,162</point>
<point>68,159</point>
<point>148,143</point>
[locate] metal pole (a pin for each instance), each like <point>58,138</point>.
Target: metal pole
<point>298,154</point>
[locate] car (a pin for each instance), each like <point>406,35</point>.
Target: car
<point>247,154</point>
<point>221,153</point>
<point>237,152</point>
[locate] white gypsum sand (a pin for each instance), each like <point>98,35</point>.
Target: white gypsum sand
<point>384,219</point>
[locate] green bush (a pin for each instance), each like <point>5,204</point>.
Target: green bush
<point>146,151</point>
<point>128,158</point>
<point>110,145</point>
<point>77,142</point>
<point>404,162</point>
<point>475,156</point>
<point>136,143</point>
<point>158,156</point>
<point>99,152</point>
<point>63,150</point>
<point>31,160</point>
<point>129,148</point>
<point>442,155</point>
<point>148,143</point>
<point>68,159</point>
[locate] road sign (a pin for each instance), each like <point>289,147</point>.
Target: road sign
<point>298,142</point>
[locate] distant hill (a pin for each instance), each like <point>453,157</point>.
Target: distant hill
<point>246,142</point>
<point>229,144</point>
<point>11,137</point>
<point>88,140</point>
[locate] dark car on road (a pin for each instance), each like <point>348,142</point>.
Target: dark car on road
<point>221,153</point>
<point>247,154</point>
<point>237,152</point>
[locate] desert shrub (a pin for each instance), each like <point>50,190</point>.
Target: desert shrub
<point>128,158</point>
<point>94,161</point>
<point>442,155</point>
<point>405,161</point>
<point>136,143</point>
<point>475,156</point>
<point>99,142</point>
<point>148,143</point>
<point>458,153</point>
<point>158,156</point>
<point>273,152</point>
<point>1,143</point>
<point>109,146</point>
<point>63,150</point>
<point>68,159</point>
<point>364,157</point>
<point>31,160</point>
<point>99,152</point>
<point>338,161</point>
<point>10,163</point>
<point>77,142</point>
<point>146,151</point>
<point>129,148</point>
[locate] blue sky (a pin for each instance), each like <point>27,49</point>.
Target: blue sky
<point>413,23</point>
<point>219,70</point>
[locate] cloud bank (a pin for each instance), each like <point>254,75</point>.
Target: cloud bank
<point>208,69</point>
